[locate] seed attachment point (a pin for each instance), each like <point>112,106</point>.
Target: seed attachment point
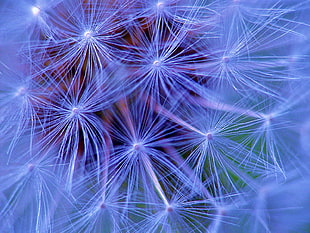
<point>75,110</point>
<point>225,59</point>
<point>138,146</point>
<point>88,34</point>
<point>169,209</point>
<point>160,5</point>
<point>157,63</point>
<point>209,136</point>
<point>35,10</point>
<point>21,91</point>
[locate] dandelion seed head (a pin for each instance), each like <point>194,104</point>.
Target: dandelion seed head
<point>186,144</point>
<point>35,10</point>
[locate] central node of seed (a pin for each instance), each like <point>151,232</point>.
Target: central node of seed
<point>75,111</point>
<point>209,136</point>
<point>138,146</point>
<point>169,209</point>
<point>21,91</point>
<point>160,5</point>
<point>222,211</point>
<point>102,206</point>
<point>30,167</point>
<point>35,10</point>
<point>157,63</point>
<point>225,59</point>
<point>88,34</point>
<point>268,118</point>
